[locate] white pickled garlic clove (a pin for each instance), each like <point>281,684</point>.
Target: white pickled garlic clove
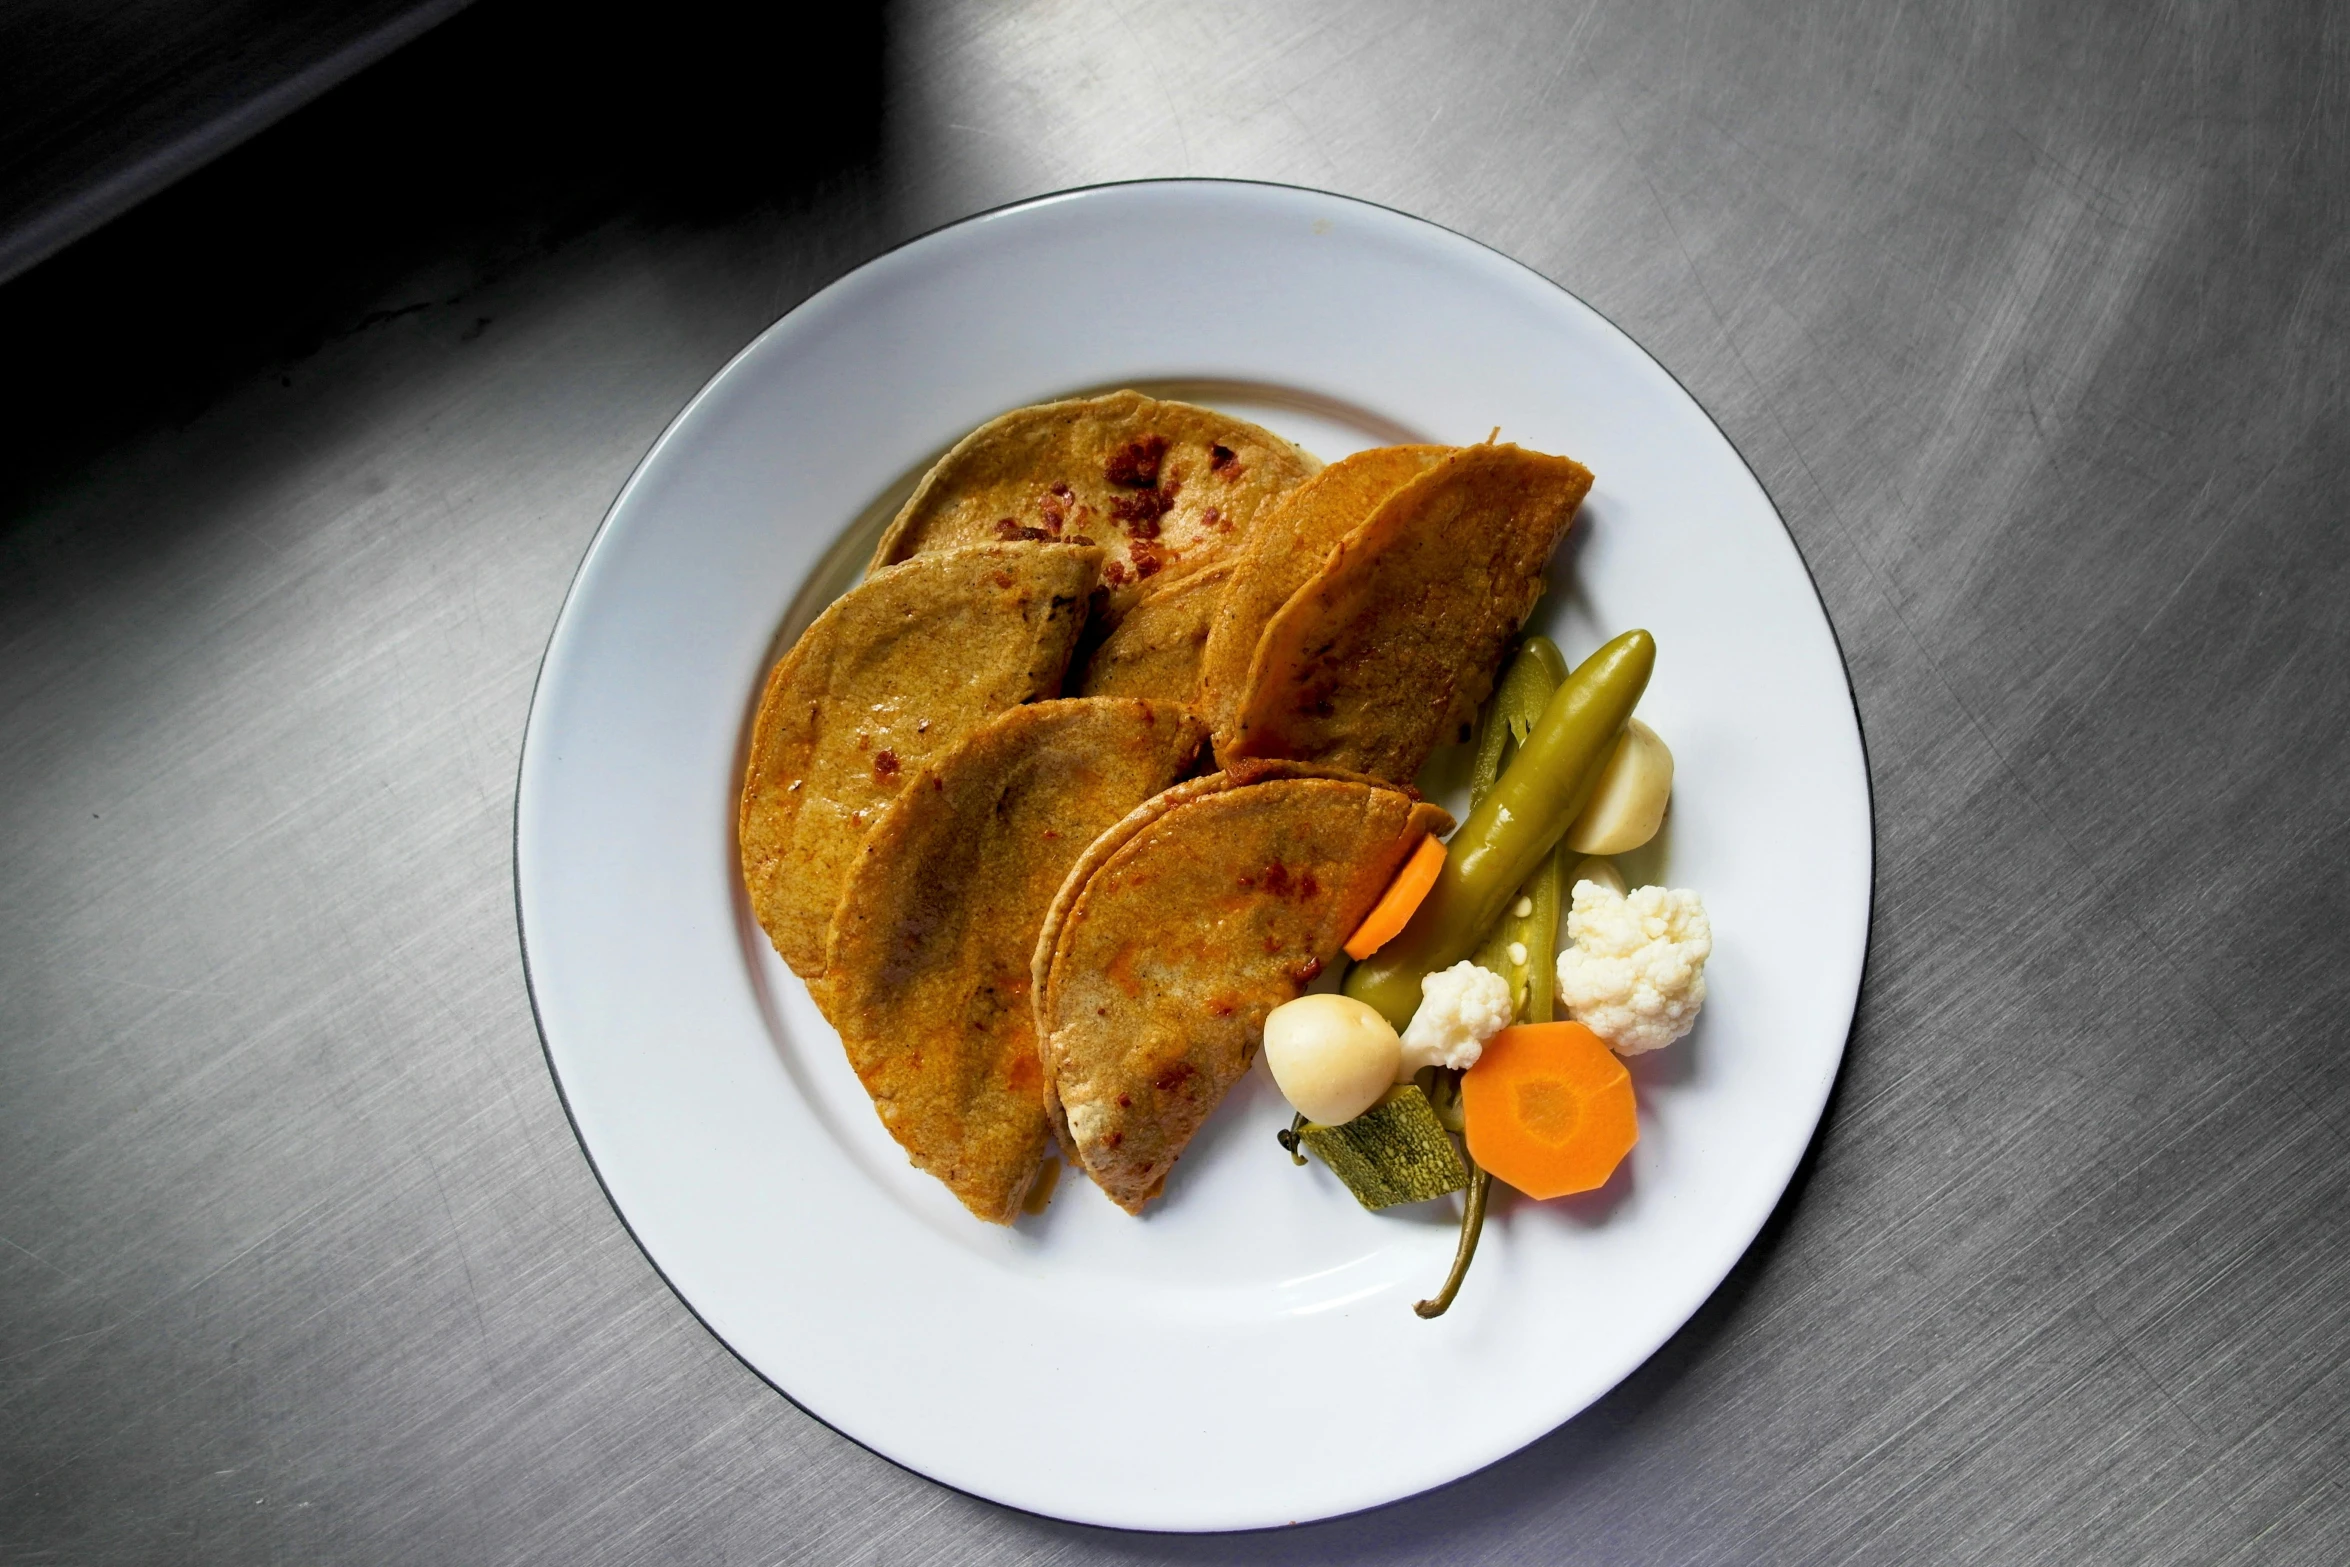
<point>1629,804</point>
<point>1332,1056</point>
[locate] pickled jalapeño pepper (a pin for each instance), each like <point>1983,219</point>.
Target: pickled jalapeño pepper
<point>1529,809</point>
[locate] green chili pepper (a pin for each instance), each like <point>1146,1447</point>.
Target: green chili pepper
<point>1534,934</point>
<point>1517,705</point>
<point>1513,709</point>
<point>1517,824</point>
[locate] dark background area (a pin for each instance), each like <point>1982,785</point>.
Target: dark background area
<point>103,102</point>
<point>490,141</point>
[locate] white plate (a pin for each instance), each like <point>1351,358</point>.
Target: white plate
<point>1246,1354</point>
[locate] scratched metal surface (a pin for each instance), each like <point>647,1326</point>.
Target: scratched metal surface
<point>2031,318</point>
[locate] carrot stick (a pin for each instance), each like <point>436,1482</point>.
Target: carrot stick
<point>1394,909</point>
<point>1549,1109</point>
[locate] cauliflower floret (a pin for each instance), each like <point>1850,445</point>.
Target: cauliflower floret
<point>1634,973</point>
<point>1460,1008</point>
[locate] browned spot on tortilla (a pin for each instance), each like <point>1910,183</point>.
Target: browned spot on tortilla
<point>1059,463</point>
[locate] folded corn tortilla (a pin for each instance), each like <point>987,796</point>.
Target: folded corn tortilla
<point>1179,929</point>
<point>928,963</point>
<point>892,675</point>
<point>1161,487</point>
<point>1155,651</point>
<point>1393,644</point>
<point>1286,550</point>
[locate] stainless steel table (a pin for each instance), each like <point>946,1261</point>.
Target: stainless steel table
<point>2031,318</point>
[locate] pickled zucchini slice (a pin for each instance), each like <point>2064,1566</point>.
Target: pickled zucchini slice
<point>1396,1151</point>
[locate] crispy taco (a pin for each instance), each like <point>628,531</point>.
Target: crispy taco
<point>1286,550</point>
<point>892,675</point>
<point>1162,487</point>
<point>1392,645</point>
<point>1155,651</point>
<point>1179,929</point>
<point>928,964</point>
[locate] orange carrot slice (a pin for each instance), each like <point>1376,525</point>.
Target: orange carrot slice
<point>1549,1109</point>
<point>1395,907</point>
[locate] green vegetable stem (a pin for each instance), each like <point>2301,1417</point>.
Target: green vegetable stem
<point>1537,933</point>
<point>1522,700</point>
<point>1518,823</point>
<point>1472,1226</point>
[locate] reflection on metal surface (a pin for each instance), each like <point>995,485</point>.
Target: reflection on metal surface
<point>294,1233</point>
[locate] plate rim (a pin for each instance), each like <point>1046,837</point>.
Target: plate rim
<point>1789,1187</point>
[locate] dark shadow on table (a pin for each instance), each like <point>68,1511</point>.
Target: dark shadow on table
<point>496,138</point>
